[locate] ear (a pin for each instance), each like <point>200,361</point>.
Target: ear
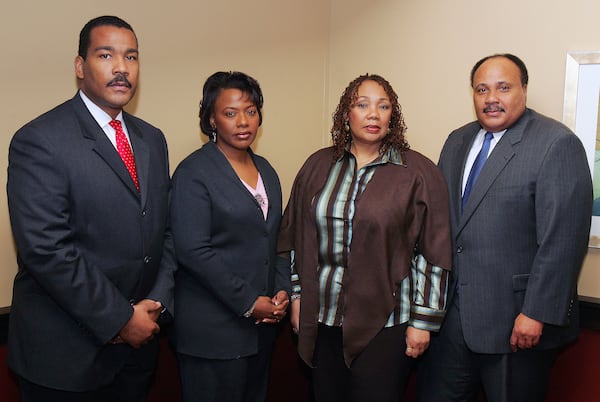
<point>79,67</point>
<point>212,122</point>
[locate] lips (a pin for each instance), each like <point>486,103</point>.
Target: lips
<point>120,85</point>
<point>372,128</point>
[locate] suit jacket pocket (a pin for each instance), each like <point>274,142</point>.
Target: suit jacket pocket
<point>519,288</point>
<point>520,282</point>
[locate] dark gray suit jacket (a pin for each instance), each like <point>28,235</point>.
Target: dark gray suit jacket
<point>521,240</point>
<point>227,254</point>
<point>88,244</point>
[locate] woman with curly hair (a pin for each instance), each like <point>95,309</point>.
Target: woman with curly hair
<point>368,237</point>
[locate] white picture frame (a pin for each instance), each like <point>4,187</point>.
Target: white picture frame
<point>580,114</point>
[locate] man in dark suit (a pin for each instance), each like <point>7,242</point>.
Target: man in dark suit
<point>520,232</point>
<point>88,202</point>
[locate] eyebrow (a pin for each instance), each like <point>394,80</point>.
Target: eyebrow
<point>112,49</point>
<point>366,97</point>
<point>494,83</point>
<point>252,104</point>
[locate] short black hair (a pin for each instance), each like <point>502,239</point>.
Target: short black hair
<point>518,62</point>
<point>84,35</point>
<point>227,80</point>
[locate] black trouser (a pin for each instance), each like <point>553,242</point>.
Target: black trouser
<point>244,379</point>
<point>378,374</point>
<point>130,385</point>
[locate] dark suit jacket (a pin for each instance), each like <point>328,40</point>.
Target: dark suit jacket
<point>521,240</point>
<point>227,254</point>
<point>88,244</point>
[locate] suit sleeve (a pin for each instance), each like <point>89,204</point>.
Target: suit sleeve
<point>38,197</point>
<point>163,289</point>
<point>281,266</point>
<point>282,275</point>
<point>563,207</point>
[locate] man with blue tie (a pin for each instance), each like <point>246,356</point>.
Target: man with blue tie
<point>520,204</point>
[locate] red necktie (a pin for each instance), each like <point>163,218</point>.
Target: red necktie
<point>125,151</point>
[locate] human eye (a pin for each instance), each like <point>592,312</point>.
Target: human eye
<point>361,105</point>
<point>131,57</point>
<point>251,112</point>
<point>229,113</point>
<point>481,90</point>
<point>504,88</point>
<point>105,56</point>
<point>385,106</point>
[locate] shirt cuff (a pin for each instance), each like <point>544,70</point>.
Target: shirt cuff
<point>426,318</point>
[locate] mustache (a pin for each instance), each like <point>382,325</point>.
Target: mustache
<point>493,108</point>
<point>119,79</point>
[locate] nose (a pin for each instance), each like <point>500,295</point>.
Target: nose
<point>373,112</point>
<point>120,66</point>
<point>491,96</point>
<point>242,120</point>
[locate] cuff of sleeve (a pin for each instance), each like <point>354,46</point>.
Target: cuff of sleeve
<point>426,318</point>
<point>249,312</point>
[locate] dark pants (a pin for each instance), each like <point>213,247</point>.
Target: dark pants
<point>450,371</point>
<point>130,385</point>
<point>378,374</point>
<point>233,380</point>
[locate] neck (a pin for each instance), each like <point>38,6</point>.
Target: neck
<point>237,156</point>
<point>364,153</point>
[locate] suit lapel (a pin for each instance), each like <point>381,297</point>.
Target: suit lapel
<point>221,163</point>
<point>457,174</point>
<point>141,154</point>
<point>503,152</point>
<point>101,144</point>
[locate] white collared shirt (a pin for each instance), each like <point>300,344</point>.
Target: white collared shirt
<point>103,119</point>
<point>475,148</point>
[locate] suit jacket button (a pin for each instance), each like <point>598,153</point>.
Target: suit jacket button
<point>459,249</point>
<point>147,259</point>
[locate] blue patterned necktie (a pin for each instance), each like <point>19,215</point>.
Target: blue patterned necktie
<point>477,166</point>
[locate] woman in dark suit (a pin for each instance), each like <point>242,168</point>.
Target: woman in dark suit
<point>226,209</point>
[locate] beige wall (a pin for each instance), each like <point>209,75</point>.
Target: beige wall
<point>426,49</point>
<point>283,44</point>
<point>303,54</point>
